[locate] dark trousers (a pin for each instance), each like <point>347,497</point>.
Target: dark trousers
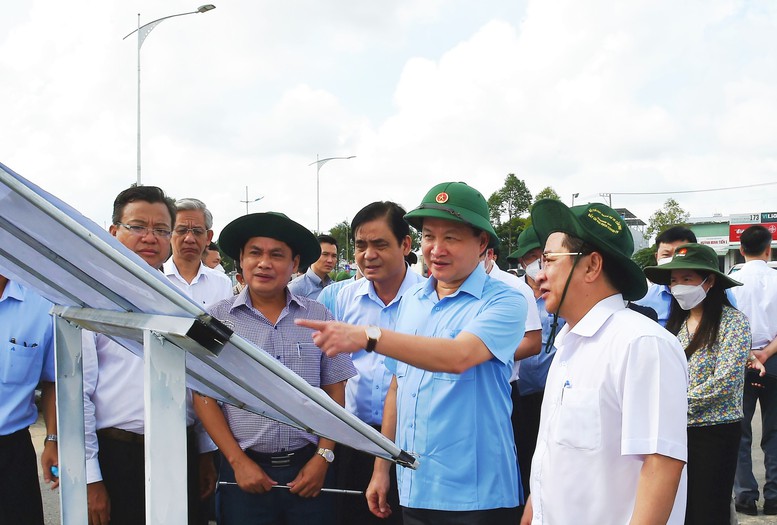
<point>467,517</point>
<point>712,462</point>
<point>20,500</point>
<point>123,470</point>
<point>354,471</point>
<point>276,507</point>
<point>746,486</point>
<point>526,426</point>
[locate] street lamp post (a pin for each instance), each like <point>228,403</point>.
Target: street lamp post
<point>319,163</point>
<point>143,31</point>
<point>574,196</point>
<point>247,202</point>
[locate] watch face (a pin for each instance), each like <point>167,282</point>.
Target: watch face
<point>373,332</point>
<point>329,456</point>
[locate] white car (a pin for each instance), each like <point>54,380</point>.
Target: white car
<point>738,266</point>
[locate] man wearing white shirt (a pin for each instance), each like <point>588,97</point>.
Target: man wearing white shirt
<point>757,299</point>
<point>612,443</point>
<point>143,218</point>
<point>381,241</point>
<point>192,234</point>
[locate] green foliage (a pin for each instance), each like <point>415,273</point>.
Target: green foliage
<point>645,257</point>
<point>670,215</point>
<point>512,200</point>
<point>342,232</point>
<point>546,193</point>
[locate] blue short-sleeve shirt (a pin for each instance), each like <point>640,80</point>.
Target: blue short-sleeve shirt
<point>458,425</point>
<point>26,355</point>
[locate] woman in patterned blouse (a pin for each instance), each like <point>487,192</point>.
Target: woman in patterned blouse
<point>716,338</point>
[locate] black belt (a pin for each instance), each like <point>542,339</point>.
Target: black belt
<point>292,458</point>
<point>125,436</point>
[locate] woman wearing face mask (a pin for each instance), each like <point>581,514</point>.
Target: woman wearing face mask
<point>716,338</point>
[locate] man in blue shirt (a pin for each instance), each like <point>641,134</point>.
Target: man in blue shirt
<point>26,358</point>
<point>451,356</point>
<point>381,242</point>
<point>316,277</point>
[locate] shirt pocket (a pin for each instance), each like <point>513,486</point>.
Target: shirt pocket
<point>20,364</point>
<point>579,419</point>
<point>305,360</point>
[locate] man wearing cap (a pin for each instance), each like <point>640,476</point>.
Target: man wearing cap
<point>260,453</point>
<point>451,354</point>
<point>757,299</point>
<point>530,373</point>
<point>316,277</point>
<point>612,441</point>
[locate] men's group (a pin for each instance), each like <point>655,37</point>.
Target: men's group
<point>547,398</point>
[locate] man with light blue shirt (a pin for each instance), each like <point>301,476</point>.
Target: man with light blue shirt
<point>451,355</point>
<point>26,358</point>
<point>381,241</point>
<point>316,277</point>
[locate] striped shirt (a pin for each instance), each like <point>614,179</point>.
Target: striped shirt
<point>293,346</point>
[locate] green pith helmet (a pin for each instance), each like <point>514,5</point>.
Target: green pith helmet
<point>599,226</point>
<point>527,241</point>
<point>454,201</point>
<point>691,256</point>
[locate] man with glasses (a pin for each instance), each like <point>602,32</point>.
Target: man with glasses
<point>612,440</point>
<point>192,234</point>
<point>143,219</point>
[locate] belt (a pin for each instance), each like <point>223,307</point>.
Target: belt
<point>125,436</point>
<point>292,458</point>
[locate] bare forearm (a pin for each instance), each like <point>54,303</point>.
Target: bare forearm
<point>434,353</point>
<point>216,425</point>
<point>389,424</point>
<point>530,345</point>
<point>656,490</point>
<point>49,404</point>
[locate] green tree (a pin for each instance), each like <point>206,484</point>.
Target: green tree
<point>513,200</point>
<point>645,257</point>
<point>670,215</point>
<point>342,232</point>
<point>546,193</point>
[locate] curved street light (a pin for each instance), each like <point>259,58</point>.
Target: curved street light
<point>319,163</point>
<point>247,201</point>
<point>143,31</point>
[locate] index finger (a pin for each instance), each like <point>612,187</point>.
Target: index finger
<point>311,323</point>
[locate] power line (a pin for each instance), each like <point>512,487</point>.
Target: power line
<point>692,191</point>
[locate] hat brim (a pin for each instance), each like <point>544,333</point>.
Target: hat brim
<point>550,216</point>
<point>416,218</point>
<point>663,274</point>
<point>275,226</point>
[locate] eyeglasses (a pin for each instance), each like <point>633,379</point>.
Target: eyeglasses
<point>183,230</point>
<point>552,256</point>
<point>142,231</point>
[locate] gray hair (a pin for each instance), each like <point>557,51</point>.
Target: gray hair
<point>190,204</point>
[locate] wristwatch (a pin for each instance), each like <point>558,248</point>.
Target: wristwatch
<point>327,454</point>
<point>50,437</point>
<point>373,336</point>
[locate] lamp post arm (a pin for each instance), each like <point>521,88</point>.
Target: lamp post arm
<point>151,25</point>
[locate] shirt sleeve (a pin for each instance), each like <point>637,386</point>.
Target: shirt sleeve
<point>89,353</point>
<point>507,308</point>
<point>653,384</point>
<point>337,368</point>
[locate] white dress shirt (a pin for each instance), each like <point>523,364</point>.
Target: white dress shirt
<point>757,299</point>
<point>207,288</point>
<point>616,392</point>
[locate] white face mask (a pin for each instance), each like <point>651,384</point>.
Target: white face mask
<point>688,295</point>
<point>533,269</point>
<point>663,260</point>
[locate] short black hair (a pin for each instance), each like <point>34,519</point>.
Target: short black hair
<point>674,234</point>
<point>328,239</point>
<point>212,247</point>
<point>755,240</point>
<point>150,194</point>
<point>391,211</point>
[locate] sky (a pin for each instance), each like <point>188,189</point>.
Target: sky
<point>586,97</point>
